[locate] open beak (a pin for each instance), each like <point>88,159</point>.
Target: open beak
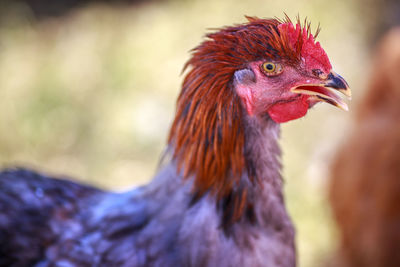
<point>327,90</point>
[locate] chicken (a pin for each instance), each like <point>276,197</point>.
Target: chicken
<point>217,198</point>
<point>365,184</point>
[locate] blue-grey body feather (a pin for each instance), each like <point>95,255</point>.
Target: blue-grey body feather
<point>51,222</point>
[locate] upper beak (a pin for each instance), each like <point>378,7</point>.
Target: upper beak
<point>337,82</point>
<point>326,90</point>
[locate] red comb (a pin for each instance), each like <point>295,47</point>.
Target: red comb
<point>312,53</point>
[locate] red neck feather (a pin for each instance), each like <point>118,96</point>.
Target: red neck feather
<point>207,135</point>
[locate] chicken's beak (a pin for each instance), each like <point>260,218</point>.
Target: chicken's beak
<point>326,90</point>
<point>337,82</point>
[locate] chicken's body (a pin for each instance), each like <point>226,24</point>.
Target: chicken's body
<point>217,199</point>
<point>154,225</point>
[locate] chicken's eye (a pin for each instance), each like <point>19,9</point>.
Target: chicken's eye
<point>271,69</point>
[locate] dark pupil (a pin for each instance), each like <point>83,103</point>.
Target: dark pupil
<point>270,67</point>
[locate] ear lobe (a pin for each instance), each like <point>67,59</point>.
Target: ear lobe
<point>242,81</point>
<point>244,76</point>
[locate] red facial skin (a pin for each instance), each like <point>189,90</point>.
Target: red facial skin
<point>272,94</point>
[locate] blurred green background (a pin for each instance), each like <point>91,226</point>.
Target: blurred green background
<point>90,93</point>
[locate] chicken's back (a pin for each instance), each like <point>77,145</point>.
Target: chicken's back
<point>45,221</point>
<point>52,222</point>
<point>35,211</point>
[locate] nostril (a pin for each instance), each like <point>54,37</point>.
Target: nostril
<point>317,72</point>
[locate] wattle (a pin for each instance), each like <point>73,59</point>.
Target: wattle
<point>283,112</point>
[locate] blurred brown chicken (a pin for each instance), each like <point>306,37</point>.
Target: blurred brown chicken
<point>365,189</point>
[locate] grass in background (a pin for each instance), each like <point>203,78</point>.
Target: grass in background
<point>91,95</point>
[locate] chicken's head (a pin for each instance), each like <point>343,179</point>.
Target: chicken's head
<point>287,83</point>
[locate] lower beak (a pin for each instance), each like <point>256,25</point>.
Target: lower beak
<point>326,91</point>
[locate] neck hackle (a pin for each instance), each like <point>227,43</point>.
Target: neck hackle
<point>208,135</point>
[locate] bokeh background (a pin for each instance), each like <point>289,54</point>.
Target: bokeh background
<point>88,88</point>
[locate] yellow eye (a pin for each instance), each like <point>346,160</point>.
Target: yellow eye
<point>271,68</point>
